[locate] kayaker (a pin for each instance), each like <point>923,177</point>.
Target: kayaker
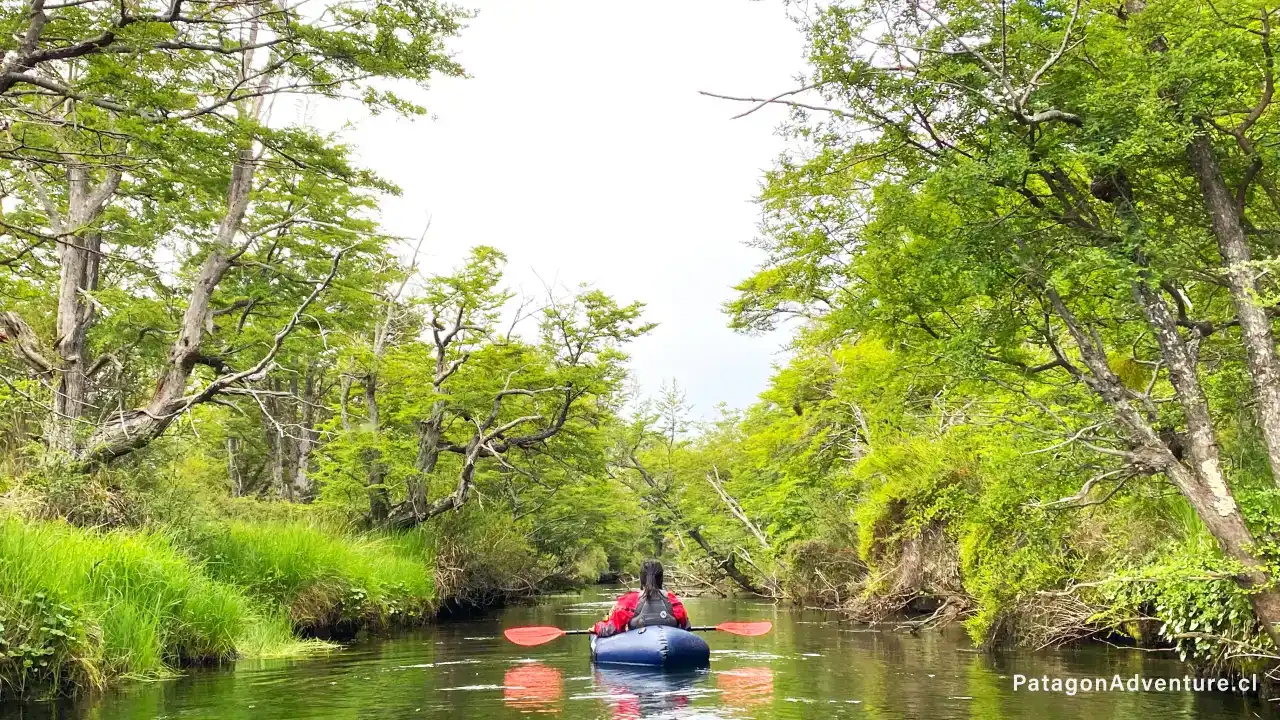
<point>651,605</point>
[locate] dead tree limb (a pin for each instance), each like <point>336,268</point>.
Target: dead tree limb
<point>713,478</point>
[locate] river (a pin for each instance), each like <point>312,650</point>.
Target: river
<point>810,666</point>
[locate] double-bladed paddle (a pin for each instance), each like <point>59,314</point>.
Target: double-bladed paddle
<point>539,634</point>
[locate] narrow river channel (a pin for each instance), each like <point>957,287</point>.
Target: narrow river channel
<point>810,666</point>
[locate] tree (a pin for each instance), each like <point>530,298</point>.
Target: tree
<point>577,360</point>
<point>140,135</point>
<point>454,394</point>
<point>1051,196</point>
<point>675,478</point>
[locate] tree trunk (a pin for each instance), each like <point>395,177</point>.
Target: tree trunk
<point>726,564</point>
<point>379,498</point>
<point>371,399</point>
<point>279,422</point>
<point>234,471</point>
<point>429,436</point>
<point>74,314</point>
<point>305,443</point>
<point>1255,324</point>
<point>379,504</point>
<point>408,515</point>
<point>289,444</point>
<point>1201,481</point>
<point>275,441</point>
<point>129,430</point>
<point>713,478</point>
<point>79,256</point>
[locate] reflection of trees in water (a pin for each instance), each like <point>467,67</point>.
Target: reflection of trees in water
<point>533,687</point>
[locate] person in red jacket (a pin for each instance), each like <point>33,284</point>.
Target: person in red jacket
<point>651,605</point>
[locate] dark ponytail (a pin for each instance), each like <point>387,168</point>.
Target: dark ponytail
<point>651,579</point>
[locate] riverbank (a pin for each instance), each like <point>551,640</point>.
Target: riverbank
<point>86,607</point>
<point>81,608</point>
<point>1178,599</point>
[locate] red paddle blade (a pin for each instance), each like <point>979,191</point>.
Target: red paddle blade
<point>746,628</point>
<point>532,635</point>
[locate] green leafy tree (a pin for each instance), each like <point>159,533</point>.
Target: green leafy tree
<point>470,398</point>
<point>155,209</point>
<point>1055,197</point>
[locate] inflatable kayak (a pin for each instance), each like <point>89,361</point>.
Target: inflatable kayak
<point>653,646</point>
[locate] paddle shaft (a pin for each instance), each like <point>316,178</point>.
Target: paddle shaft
<point>537,634</point>
<point>696,628</point>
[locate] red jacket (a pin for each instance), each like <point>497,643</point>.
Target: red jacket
<point>625,609</point>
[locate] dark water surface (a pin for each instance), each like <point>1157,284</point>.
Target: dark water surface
<point>810,666</point>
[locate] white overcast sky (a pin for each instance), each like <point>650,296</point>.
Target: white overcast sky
<point>581,147</point>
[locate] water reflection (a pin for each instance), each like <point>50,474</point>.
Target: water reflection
<point>744,687</point>
<point>533,687</point>
<point>637,692</point>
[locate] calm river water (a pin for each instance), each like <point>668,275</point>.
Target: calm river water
<point>810,666</point>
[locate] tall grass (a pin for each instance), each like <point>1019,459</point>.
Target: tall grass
<point>79,607</point>
<point>271,636</point>
<point>327,581</point>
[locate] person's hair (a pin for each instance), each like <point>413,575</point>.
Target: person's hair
<point>651,578</point>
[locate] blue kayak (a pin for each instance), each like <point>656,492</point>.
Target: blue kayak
<point>653,646</point>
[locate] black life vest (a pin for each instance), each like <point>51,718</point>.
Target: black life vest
<point>653,609</point>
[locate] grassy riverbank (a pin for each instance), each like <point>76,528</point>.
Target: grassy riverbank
<point>84,605</point>
<point>80,608</point>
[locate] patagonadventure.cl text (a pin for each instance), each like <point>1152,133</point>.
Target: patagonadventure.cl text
<point>1133,683</point>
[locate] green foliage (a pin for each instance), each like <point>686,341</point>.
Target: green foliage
<point>911,486</point>
<point>1008,554</point>
<point>483,557</point>
<point>552,398</point>
<point>201,312</point>
<point>154,158</point>
<point>1007,201</point>
<point>856,454</point>
<point>977,253</point>
<point>39,641</point>
<point>1206,619</point>
<point>591,565</point>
